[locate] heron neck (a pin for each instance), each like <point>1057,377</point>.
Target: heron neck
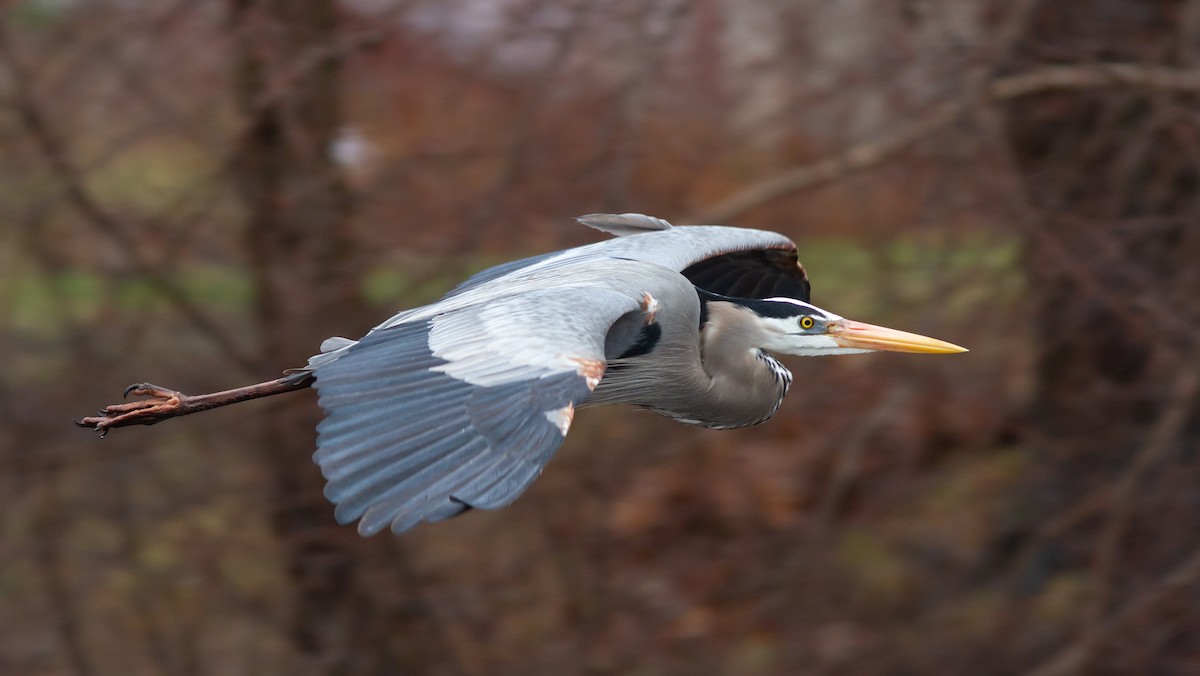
<point>745,384</point>
<point>718,379</point>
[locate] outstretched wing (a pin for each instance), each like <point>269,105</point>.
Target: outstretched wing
<point>724,260</point>
<point>463,408</point>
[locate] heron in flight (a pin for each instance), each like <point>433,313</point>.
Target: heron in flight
<point>460,404</point>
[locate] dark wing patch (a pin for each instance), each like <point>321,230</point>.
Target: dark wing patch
<point>634,334</point>
<point>760,273</point>
<point>647,340</point>
<point>403,443</point>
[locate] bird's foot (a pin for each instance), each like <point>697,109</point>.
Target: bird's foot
<point>159,404</point>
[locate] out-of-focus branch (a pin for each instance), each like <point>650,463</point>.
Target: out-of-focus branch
<point>1074,658</point>
<point>516,153</point>
<point>854,159</point>
<point>312,60</point>
<point>1090,281</point>
<point>650,51</point>
<point>1094,76</point>
<point>77,193</point>
<point>875,152</point>
<point>130,544</point>
<point>1181,401</point>
<point>64,603</point>
<point>1119,500</point>
<point>849,456</point>
<point>1144,297</point>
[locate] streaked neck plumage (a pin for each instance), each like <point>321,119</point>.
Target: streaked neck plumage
<point>744,380</point>
<point>718,375</point>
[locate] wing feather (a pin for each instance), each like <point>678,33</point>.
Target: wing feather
<point>495,272</point>
<point>448,509</point>
<point>383,506</point>
<point>463,408</point>
<point>368,459</point>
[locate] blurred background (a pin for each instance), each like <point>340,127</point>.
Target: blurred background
<point>197,193</point>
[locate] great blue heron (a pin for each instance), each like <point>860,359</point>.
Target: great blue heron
<point>460,404</point>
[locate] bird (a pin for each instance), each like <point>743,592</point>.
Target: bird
<point>459,404</point>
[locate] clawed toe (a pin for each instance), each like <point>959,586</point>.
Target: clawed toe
<point>149,390</point>
<point>159,404</point>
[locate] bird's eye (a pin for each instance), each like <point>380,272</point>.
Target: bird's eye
<point>806,322</point>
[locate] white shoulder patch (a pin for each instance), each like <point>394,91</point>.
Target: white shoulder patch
<point>562,417</point>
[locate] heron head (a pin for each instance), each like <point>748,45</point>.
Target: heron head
<point>791,326</point>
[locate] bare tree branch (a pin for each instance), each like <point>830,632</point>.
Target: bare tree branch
<point>849,457</point>
<point>1094,76</point>
<point>63,601</point>
<point>129,546</point>
<point>1073,659</point>
<point>869,154</point>
<point>1181,401</point>
<point>78,194</point>
<point>854,159</point>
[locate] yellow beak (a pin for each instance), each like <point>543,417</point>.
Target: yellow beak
<point>849,333</point>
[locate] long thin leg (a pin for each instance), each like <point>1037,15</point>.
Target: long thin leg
<point>161,403</point>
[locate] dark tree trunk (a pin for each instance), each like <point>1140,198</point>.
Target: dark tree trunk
<point>1112,260</point>
<point>305,281</point>
<point>1115,188</point>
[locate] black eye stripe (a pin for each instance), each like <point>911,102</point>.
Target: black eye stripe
<point>780,309</point>
<point>776,309</point>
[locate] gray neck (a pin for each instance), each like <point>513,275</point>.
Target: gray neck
<point>716,377</point>
<point>746,385</point>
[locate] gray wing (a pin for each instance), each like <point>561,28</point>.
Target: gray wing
<point>732,261</point>
<point>623,225</point>
<point>498,271</point>
<point>462,407</point>
<point>614,224</point>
